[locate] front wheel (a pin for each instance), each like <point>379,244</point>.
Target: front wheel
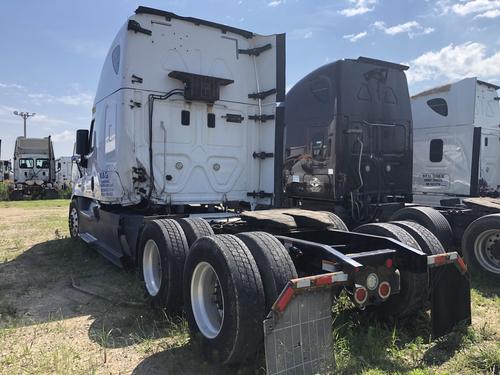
<point>481,245</point>
<point>73,220</point>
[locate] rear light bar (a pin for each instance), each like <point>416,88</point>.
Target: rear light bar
<point>447,258</point>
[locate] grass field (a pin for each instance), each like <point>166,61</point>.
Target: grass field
<point>66,310</point>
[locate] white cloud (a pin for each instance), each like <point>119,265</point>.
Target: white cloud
<point>464,8</point>
<point>78,99</point>
<point>493,13</point>
<point>358,7</point>
<point>455,62</point>
<point>308,35</point>
<point>412,28</point>
<point>64,136</point>
<point>275,3</point>
<point>355,37</point>
<point>305,33</point>
<point>6,110</point>
<point>5,85</point>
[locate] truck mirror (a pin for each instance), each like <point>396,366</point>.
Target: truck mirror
<point>82,142</point>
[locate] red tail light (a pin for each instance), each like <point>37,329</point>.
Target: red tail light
<point>384,290</point>
<point>388,262</point>
<point>360,295</point>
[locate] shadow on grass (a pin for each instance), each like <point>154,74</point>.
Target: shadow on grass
<point>485,286</point>
<point>190,359</point>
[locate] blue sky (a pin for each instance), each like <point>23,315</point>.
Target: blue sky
<point>52,50</point>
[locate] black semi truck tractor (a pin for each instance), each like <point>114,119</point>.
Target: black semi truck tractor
<point>349,150</point>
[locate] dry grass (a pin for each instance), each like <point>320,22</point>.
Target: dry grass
<point>47,326</point>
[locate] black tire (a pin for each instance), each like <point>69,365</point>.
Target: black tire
<point>413,289</point>
<point>172,245</point>
<point>427,241</point>
<point>73,220</point>
<point>50,194</point>
<point>195,228</point>
<point>240,334</point>
<point>16,195</point>
<point>429,218</point>
<point>481,234</point>
<point>337,222</point>
<point>275,265</point>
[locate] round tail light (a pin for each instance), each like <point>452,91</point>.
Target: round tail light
<point>360,295</point>
<point>384,290</point>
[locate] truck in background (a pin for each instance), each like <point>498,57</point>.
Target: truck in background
<point>456,142</point>
<point>456,165</point>
<point>181,149</point>
<point>6,171</point>
<point>64,172</point>
<point>349,140</point>
<point>33,169</point>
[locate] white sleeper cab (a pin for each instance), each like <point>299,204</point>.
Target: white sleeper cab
<point>456,142</point>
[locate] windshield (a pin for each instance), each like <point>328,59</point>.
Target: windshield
<point>26,163</point>
<point>42,163</point>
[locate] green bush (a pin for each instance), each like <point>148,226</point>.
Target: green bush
<point>4,191</point>
<point>65,193</point>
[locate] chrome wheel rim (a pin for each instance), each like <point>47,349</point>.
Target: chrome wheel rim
<point>151,267</point>
<point>487,250</point>
<point>207,300</point>
<point>73,222</point>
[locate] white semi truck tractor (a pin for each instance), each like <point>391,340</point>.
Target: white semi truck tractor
<point>180,176</point>
<point>456,164</point>
<point>34,169</point>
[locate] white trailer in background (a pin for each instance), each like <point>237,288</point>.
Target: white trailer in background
<point>456,164</point>
<point>64,166</point>
<point>456,142</point>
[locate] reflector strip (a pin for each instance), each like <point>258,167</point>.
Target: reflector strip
<point>324,280</point>
<point>441,259</point>
<point>461,265</point>
<point>327,279</point>
<point>303,283</point>
<point>284,299</point>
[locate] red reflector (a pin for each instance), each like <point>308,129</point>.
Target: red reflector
<point>360,295</point>
<point>284,299</point>
<point>440,259</point>
<point>324,280</point>
<point>384,289</point>
<point>388,263</point>
<point>462,264</point>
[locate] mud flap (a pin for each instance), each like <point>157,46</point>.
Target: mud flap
<point>450,294</point>
<point>298,330</point>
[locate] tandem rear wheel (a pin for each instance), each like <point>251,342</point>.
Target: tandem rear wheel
<point>481,245</point>
<point>162,252</point>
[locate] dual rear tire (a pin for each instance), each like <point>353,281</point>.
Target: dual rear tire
<point>230,284</point>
